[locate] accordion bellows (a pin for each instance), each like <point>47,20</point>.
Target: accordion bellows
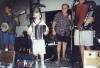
<point>39,31</point>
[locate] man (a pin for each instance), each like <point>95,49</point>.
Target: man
<point>61,30</point>
<point>9,35</point>
<point>84,19</point>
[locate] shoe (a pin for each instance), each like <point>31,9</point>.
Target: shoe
<point>81,64</point>
<point>6,49</point>
<point>58,62</point>
<point>36,65</point>
<point>65,59</point>
<point>43,66</point>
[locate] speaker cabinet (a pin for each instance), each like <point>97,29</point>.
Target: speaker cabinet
<point>91,59</point>
<point>7,59</point>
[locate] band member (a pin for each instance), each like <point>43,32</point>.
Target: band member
<point>36,32</point>
<point>84,18</point>
<point>60,28</point>
<point>9,31</point>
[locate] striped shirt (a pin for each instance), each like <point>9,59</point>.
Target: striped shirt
<point>62,24</point>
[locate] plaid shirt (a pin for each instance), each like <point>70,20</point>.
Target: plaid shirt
<point>62,24</point>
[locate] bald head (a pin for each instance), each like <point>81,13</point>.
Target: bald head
<point>81,1</point>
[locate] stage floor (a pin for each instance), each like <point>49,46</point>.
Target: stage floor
<point>50,64</point>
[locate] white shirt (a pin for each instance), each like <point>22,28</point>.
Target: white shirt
<point>32,31</point>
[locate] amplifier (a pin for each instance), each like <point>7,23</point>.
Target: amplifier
<point>7,58</point>
<point>91,59</point>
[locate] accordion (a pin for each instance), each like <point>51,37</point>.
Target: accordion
<point>39,31</point>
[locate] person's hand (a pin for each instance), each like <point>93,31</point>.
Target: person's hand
<point>17,21</point>
<point>70,28</point>
<point>69,17</point>
<point>54,32</point>
<point>90,20</point>
<point>29,32</point>
<point>45,33</point>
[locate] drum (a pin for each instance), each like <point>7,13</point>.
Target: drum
<point>4,27</point>
<point>39,31</point>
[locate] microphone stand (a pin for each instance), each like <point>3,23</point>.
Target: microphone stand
<point>72,28</point>
<point>72,22</point>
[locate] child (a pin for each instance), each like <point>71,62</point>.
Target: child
<point>38,44</point>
